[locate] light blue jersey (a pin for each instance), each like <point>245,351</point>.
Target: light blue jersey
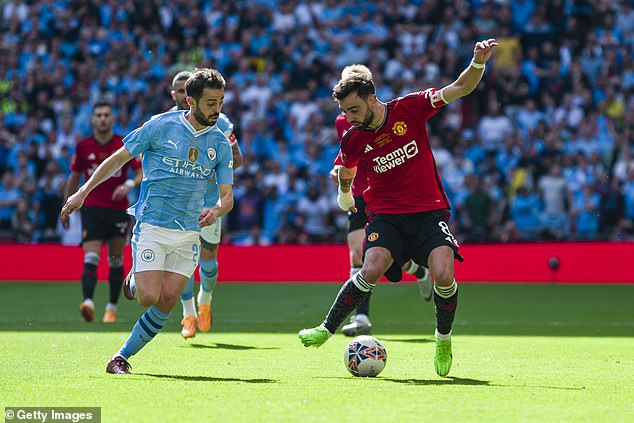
<point>212,195</point>
<point>178,162</point>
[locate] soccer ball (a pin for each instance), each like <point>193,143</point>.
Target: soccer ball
<point>365,356</point>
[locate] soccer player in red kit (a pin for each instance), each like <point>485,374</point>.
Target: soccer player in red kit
<point>360,322</point>
<point>103,215</point>
<point>407,204</point>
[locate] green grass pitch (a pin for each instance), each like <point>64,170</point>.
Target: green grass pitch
<point>522,353</point>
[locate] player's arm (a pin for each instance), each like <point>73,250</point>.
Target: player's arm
<point>209,216</point>
<point>104,171</point>
<point>123,189</point>
<point>471,76</point>
<point>71,187</point>
<point>334,174</point>
<point>237,153</point>
<point>345,200</point>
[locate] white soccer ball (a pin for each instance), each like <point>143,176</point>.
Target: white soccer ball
<point>365,356</point>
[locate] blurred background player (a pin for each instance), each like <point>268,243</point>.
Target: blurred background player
<point>407,204</point>
<point>103,215</point>
<point>357,220</point>
<point>209,235</point>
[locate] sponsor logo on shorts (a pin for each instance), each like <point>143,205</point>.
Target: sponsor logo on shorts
<point>399,128</point>
<point>147,255</point>
<point>373,237</point>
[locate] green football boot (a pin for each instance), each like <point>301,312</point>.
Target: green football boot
<point>442,360</point>
<point>315,337</point>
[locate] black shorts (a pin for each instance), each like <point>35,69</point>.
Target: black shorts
<point>409,237</point>
<point>359,219</point>
<point>99,223</point>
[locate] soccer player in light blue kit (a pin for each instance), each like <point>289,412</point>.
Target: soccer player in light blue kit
<point>181,151</point>
<point>209,235</point>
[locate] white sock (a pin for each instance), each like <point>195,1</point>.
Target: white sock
<point>89,302</point>
<point>111,307</point>
<point>189,308</point>
<point>442,337</point>
<point>204,297</point>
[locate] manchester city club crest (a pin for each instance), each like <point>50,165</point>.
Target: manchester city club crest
<point>192,155</point>
<point>211,152</point>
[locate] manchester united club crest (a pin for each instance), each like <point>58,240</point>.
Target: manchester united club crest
<point>192,155</point>
<point>399,128</point>
<point>211,152</point>
<point>373,237</point>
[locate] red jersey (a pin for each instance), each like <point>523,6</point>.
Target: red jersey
<point>88,155</point>
<point>401,169</point>
<point>360,182</point>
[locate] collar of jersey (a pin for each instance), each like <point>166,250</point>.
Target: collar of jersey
<point>191,129</point>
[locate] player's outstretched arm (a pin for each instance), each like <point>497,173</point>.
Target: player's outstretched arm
<point>104,171</point>
<point>471,76</point>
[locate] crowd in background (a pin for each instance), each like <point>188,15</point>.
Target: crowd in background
<point>543,150</point>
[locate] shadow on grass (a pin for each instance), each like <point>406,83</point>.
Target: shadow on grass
<point>451,380</point>
<point>206,378</point>
<point>227,347</point>
<point>410,340</point>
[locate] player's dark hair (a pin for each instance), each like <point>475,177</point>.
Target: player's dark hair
<point>201,79</point>
<point>181,76</point>
<point>101,103</point>
<point>355,83</point>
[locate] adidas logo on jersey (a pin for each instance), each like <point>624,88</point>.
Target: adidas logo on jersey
<point>368,148</point>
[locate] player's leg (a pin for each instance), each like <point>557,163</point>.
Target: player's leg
<point>441,261</point>
<point>93,234</point>
<point>164,261</point>
<point>377,261</point>
<point>360,323</point>
<point>115,276</point>
<point>208,271</point>
<point>423,279</point>
<point>383,247</point>
<point>189,320</point>
<point>92,252</point>
<point>443,250</point>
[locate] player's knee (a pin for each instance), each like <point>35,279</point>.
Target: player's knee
<point>147,299</point>
<point>371,273</point>
<point>91,258</point>
<point>443,276</point>
<point>168,301</point>
<point>115,262</point>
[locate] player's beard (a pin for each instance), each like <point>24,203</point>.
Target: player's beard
<point>367,120</point>
<point>203,120</point>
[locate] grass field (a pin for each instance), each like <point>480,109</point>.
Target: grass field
<point>522,353</point>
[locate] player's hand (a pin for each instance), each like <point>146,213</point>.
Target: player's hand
<point>483,50</point>
<point>121,192</point>
<point>334,175</point>
<point>73,203</point>
<point>345,200</point>
<point>207,217</point>
<point>65,222</point>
